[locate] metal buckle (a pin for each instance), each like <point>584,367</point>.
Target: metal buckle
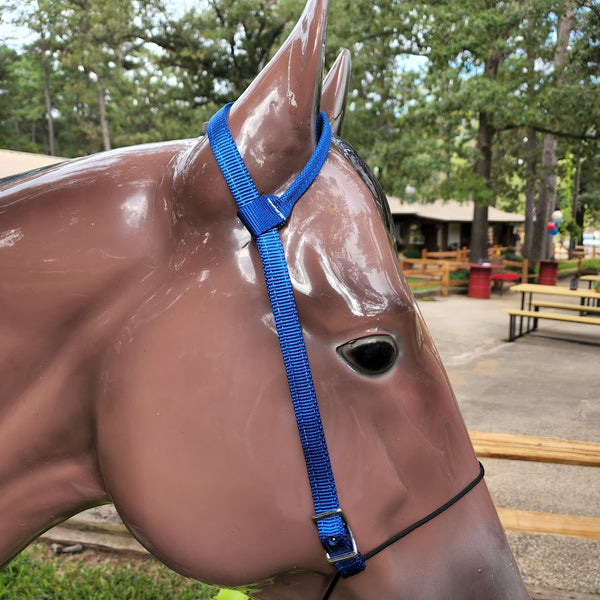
<point>338,558</point>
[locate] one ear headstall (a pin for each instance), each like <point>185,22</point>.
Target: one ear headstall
<point>263,215</point>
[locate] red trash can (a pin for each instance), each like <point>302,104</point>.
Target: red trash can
<point>548,272</point>
<point>480,280</point>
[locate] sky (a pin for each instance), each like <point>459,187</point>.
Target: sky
<point>11,35</point>
<point>16,37</point>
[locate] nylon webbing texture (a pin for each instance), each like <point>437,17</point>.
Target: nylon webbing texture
<point>263,215</point>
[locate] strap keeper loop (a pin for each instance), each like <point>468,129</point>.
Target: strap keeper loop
<point>329,513</point>
<point>261,214</point>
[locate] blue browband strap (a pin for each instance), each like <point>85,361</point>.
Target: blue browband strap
<point>263,215</point>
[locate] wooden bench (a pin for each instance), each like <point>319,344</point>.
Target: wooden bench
<point>498,279</point>
<point>533,316</point>
<point>580,308</point>
<point>512,271</point>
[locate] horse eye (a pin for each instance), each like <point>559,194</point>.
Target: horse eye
<point>371,355</point>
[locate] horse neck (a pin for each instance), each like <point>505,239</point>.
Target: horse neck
<point>50,380</point>
<point>60,316</point>
<point>48,469</point>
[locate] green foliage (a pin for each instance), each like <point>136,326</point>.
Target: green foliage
<point>33,574</point>
<point>22,123</point>
<point>462,275</point>
<point>567,265</point>
<point>591,264</point>
<point>410,253</point>
<point>425,78</point>
<point>566,184</point>
<point>590,184</point>
<point>513,257</point>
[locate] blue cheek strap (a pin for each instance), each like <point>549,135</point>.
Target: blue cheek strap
<point>263,215</point>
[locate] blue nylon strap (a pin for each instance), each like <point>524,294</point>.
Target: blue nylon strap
<point>263,215</point>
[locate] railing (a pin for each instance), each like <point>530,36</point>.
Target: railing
<point>494,252</point>
<point>587,251</point>
<point>431,273</point>
<point>574,266</point>
<point>453,255</point>
<point>462,255</point>
<point>435,273</point>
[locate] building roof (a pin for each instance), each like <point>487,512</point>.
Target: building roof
<point>449,211</point>
<point>13,162</point>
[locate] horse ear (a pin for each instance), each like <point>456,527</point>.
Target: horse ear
<point>274,120</point>
<point>335,91</point>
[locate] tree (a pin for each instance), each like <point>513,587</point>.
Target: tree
<point>216,51</point>
<point>540,244</point>
<point>22,117</point>
<point>86,49</point>
<point>484,94</point>
<point>447,101</point>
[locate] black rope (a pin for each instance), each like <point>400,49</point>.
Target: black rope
<point>411,528</point>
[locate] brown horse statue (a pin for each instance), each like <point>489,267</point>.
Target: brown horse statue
<point>140,364</point>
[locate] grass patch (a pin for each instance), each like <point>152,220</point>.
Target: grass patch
<point>591,264</point>
<point>567,265</point>
<point>38,574</point>
<point>423,285</point>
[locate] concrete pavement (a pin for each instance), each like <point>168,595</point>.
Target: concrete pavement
<point>543,384</point>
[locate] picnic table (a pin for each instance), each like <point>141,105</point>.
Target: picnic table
<point>591,279</point>
<point>585,311</point>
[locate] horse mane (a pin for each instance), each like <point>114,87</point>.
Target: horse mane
<point>369,179</point>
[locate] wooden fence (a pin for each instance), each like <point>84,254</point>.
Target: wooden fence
<point>496,252</point>
<point>453,255</point>
<point>519,266</point>
<point>431,273</point>
<point>435,273</point>
<point>432,270</point>
<point>574,266</point>
<point>587,252</point>
<point>462,255</point>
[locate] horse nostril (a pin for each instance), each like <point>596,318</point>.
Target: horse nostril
<point>371,355</point>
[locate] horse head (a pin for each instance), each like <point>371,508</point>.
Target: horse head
<point>159,354</point>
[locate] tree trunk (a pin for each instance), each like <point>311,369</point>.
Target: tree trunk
<point>575,209</point>
<point>530,175</point>
<point>542,242</point>
<point>103,121</point>
<point>479,234</point>
<point>541,239</point>
<point>48,102</point>
<point>483,168</point>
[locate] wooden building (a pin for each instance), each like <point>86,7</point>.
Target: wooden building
<point>446,225</point>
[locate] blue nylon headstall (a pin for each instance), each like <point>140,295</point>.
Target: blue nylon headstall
<point>263,215</point>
